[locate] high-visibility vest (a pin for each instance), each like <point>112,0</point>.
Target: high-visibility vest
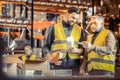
<point>97,61</point>
<point>32,57</point>
<point>59,43</point>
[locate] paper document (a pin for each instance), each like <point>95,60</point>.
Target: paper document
<point>80,43</point>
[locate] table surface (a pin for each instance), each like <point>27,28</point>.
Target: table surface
<point>12,59</point>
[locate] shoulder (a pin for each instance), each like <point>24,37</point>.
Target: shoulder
<point>51,28</point>
<point>33,55</point>
<point>108,32</point>
<point>58,24</point>
<point>111,35</point>
<point>78,27</point>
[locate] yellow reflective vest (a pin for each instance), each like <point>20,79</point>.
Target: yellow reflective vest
<point>59,43</point>
<point>32,57</point>
<point>97,61</point>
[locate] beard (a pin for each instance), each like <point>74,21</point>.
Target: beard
<point>71,22</point>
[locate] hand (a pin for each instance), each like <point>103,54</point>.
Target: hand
<point>58,63</point>
<point>82,71</point>
<point>56,58</point>
<point>73,50</point>
<point>60,55</point>
<point>49,57</point>
<point>86,45</point>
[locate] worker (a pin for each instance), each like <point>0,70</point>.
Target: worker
<point>61,47</point>
<point>100,49</point>
<point>27,56</point>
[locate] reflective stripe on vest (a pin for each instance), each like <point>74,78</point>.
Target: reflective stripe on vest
<point>32,57</point>
<point>59,44</point>
<point>97,61</point>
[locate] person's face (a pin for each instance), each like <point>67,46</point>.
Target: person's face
<point>95,24</point>
<point>72,18</point>
<point>27,51</point>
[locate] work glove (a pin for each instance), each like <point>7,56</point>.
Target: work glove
<point>57,57</point>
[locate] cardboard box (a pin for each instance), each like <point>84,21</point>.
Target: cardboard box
<point>30,66</point>
<point>33,72</point>
<point>67,72</point>
<point>10,64</point>
<point>48,73</point>
<point>36,65</point>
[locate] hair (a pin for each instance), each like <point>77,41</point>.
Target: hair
<point>74,9</point>
<point>28,47</point>
<point>100,18</point>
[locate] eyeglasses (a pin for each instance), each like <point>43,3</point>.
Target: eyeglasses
<point>95,23</point>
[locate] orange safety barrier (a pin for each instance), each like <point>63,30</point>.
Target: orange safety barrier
<point>0,8</point>
<point>40,37</point>
<point>12,34</point>
<point>15,34</point>
<point>37,36</point>
<point>45,24</point>
<point>3,33</point>
<point>40,24</point>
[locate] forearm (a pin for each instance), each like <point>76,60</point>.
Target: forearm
<point>49,56</point>
<point>46,53</point>
<point>80,51</point>
<point>84,62</point>
<point>48,42</point>
<point>103,50</point>
<point>45,50</point>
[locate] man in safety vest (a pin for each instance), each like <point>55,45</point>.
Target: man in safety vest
<point>100,49</point>
<point>61,47</point>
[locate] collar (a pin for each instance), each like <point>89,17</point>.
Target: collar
<point>98,30</point>
<point>65,24</point>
